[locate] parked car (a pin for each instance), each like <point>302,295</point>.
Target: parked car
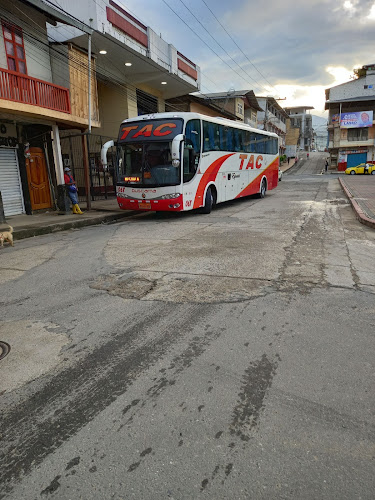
<point>360,169</point>
<point>280,174</point>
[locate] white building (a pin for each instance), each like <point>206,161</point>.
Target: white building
<point>351,128</point>
<point>301,119</point>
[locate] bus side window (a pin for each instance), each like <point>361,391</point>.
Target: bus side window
<point>253,142</point>
<point>192,149</point>
<point>230,139</point>
<point>211,137</point>
<point>260,144</point>
<point>238,146</point>
<point>272,146</point>
<point>193,133</point>
<point>275,149</point>
<point>247,142</point>
<point>223,138</point>
<point>268,145</point>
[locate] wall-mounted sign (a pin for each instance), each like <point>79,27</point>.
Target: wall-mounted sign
<point>342,156</point>
<point>8,135</point>
<point>356,119</point>
<point>356,151</point>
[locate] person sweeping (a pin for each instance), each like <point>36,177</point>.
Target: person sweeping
<point>72,190</point>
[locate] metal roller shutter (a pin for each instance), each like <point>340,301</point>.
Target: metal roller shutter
<point>10,183</point>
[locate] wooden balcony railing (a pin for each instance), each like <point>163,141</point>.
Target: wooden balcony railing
<point>27,90</point>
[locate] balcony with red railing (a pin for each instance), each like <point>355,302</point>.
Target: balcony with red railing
<point>21,88</point>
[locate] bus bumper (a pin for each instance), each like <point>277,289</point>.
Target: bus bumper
<point>169,205</point>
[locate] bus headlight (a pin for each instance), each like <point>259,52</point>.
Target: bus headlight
<point>170,196</point>
<point>176,163</point>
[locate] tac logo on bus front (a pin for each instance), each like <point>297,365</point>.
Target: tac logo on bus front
<point>150,130</point>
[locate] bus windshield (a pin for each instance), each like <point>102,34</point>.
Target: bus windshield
<point>148,164</point>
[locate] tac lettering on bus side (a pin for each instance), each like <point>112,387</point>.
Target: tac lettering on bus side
<point>251,164</point>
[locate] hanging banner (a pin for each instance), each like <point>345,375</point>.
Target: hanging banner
<point>356,119</point>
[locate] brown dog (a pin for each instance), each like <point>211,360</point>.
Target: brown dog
<point>6,236</point>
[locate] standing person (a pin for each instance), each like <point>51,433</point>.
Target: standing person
<point>326,165</point>
<point>308,154</point>
<point>72,190</point>
<point>288,159</point>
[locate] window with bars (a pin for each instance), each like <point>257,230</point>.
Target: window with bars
<point>14,48</point>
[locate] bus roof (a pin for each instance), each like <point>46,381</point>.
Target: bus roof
<point>191,116</point>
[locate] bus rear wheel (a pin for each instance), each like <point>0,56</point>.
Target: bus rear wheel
<point>263,189</point>
<point>208,202</point>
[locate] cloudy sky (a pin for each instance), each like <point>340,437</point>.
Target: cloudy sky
<point>291,49</point>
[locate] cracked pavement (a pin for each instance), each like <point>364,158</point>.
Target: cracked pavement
<point>191,356</point>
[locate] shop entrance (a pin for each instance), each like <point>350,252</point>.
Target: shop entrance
<point>355,159</point>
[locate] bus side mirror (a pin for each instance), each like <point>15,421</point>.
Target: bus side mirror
<point>176,149</point>
<point>103,153</point>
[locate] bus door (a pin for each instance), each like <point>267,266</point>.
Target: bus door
<point>232,182</point>
<point>190,159</point>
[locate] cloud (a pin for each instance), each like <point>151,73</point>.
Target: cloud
<point>298,47</point>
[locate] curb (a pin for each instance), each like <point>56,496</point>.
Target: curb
<point>359,213</point>
<point>20,234</point>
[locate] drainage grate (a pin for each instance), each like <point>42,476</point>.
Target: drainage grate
<point>4,349</point>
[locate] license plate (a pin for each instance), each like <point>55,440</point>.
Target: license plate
<point>144,206</point>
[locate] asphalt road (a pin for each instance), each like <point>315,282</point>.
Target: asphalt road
<point>221,356</point>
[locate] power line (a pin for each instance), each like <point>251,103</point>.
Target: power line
<point>222,48</point>
<point>236,44</point>
<point>212,50</point>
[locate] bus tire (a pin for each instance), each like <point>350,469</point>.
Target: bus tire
<point>263,189</point>
<point>208,202</point>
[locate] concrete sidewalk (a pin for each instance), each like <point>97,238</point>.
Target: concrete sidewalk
<point>285,166</point>
<point>360,189</point>
<point>103,211</point>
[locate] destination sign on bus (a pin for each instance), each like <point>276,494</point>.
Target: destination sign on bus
<point>150,130</point>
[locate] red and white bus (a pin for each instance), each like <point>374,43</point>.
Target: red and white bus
<point>186,161</point>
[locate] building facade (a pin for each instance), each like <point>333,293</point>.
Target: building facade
<point>136,69</point>
<point>351,108</point>
<point>194,104</point>
<point>291,139</point>
<point>241,104</point>
<point>136,72</point>
<point>273,118</point>
<point>35,105</point>
<point>301,119</point>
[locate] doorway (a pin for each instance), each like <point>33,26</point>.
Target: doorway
<point>37,177</point>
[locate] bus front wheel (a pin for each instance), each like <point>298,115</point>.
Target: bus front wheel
<point>208,202</point>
